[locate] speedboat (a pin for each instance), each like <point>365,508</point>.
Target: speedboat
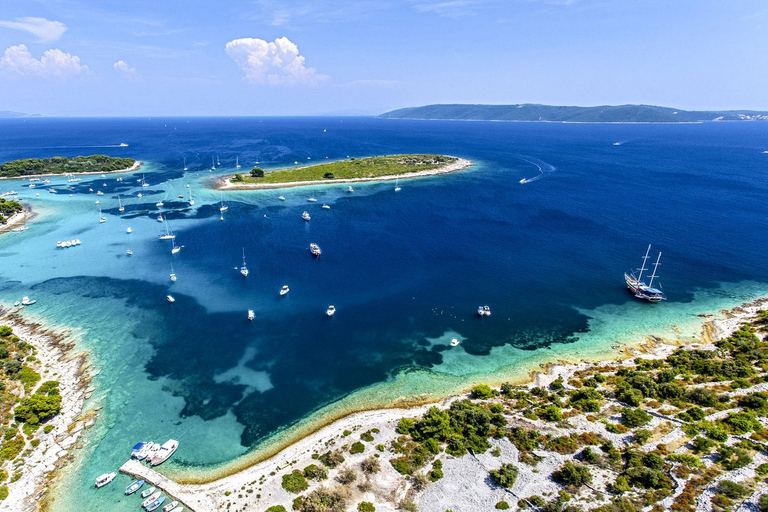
<point>129,252</point>
<point>160,218</point>
<point>315,250</point>
<point>151,499</point>
<point>350,189</point>
<point>173,277</point>
<point>104,479</point>
<point>331,310</point>
<point>312,200</point>
<point>16,304</point>
<point>129,230</point>
<point>170,298</point>
<point>326,207</point>
<point>159,204</point>
<point>99,193</point>
<point>164,453</point>
<point>146,492</point>
<point>25,301</point>
<point>522,180</point>
<point>305,216</point>
<point>284,290</point>
<point>155,504</point>
<point>170,506</point>
<point>484,311</point>
<point>281,198</point>
<point>135,486</point>
<point>251,315</point>
<point>97,202</point>
<point>454,342</point>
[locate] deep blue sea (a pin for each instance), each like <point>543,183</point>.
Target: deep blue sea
<point>406,271</point>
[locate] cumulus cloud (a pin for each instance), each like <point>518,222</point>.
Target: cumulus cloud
<point>53,63</point>
<point>274,63</point>
<point>45,30</point>
<point>125,70</point>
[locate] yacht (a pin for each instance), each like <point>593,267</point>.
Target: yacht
<point>135,486</point>
<point>315,250</point>
<point>122,145</point>
<point>102,219</point>
<point>172,275</point>
<point>164,453</point>
<point>331,310</point>
<point>104,479</point>
<point>160,218</point>
<point>326,207</point>
<point>159,204</point>
<point>638,287</point>
<point>172,505</point>
<point>251,315</point>
<point>129,252</point>
<point>168,231</point>
<point>185,163</point>
<point>312,200</point>
<point>129,230</point>
<point>170,299</point>
<point>484,311</point>
<point>140,450</point>
<point>151,498</point>
<point>281,198</point>
<point>143,183</point>
<point>350,189</point>
<point>454,342</point>
<point>397,187</point>
<point>284,290</point>
<point>244,269</point>
<point>25,301</point>
<point>175,248</point>
<point>237,162</point>
<point>139,194</point>
<point>155,504</point>
<point>148,492</point>
<point>305,215</point>
<point>213,164</point>
<point>222,208</point>
<point>99,193</point>
<point>52,191</point>
<point>191,201</point>
<point>120,207</point>
<point>97,202</point>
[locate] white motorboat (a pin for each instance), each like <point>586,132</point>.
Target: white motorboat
<point>129,230</point>
<point>331,310</point>
<point>129,252</point>
<point>284,290</point>
<point>16,304</point>
<point>306,216</point>
<point>139,194</point>
<point>281,198</point>
<point>326,207</point>
<point>170,298</point>
<point>454,342</point>
<point>147,502</point>
<point>170,506</point>
<point>26,301</point>
<point>148,492</point>
<point>104,479</point>
<point>312,200</point>
<point>315,250</point>
<point>99,193</point>
<point>244,269</point>
<point>523,180</point>
<point>159,204</point>
<point>251,315</point>
<point>97,202</point>
<point>350,189</point>
<point>164,453</point>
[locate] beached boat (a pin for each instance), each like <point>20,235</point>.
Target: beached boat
<point>244,269</point>
<point>251,315</point>
<point>104,479</point>
<point>315,250</point>
<point>638,287</point>
<point>284,290</point>
<point>155,504</point>
<point>164,453</point>
<point>170,506</point>
<point>326,207</point>
<point>26,301</point>
<point>170,299</point>
<point>135,486</point>
<point>331,310</point>
<point>305,216</point>
<point>154,496</point>
<point>148,492</point>
<point>484,311</point>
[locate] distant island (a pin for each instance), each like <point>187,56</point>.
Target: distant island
<point>93,164</point>
<point>562,114</point>
<point>378,168</point>
<point>12,114</point>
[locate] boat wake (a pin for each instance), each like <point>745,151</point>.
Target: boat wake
<point>543,168</point>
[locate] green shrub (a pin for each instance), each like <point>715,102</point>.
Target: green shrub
<point>635,417</point>
<point>732,458</point>
<point>482,392</point>
<point>295,482</point>
<point>357,447</point>
<point>731,489</point>
<point>502,505</point>
<point>363,506</point>
<point>556,384</point>
<point>315,472</point>
<point>741,422</point>
<point>702,445</point>
<point>5,331</point>
<point>574,475</point>
<point>366,436</point>
<point>346,476</point>
<point>505,476</point>
<point>550,413</point>
<point>276,508</point>
<point>437,471</point>
<point>328,175</point>
<point>331,458</point>
<point>3,492</point>
<point>642,435</point>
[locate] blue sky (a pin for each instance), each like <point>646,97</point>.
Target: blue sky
<point>271,57</point>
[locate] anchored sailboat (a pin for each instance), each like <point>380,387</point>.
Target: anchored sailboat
<point>237,162</point>
<point>120,208</point>
<point>244,269</point>
<point>168,233</point>
<point>221,198</point>
<point>638,287</point>
<point>213,164</point>
<point>185,163</point>
<point>173,273</point>
<point>397,187</point>
<point>191,201</point>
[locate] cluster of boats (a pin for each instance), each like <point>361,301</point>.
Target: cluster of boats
<point>153,499</point>
<point>25,301</point>
<point>154,453</point>
<point>484,311</point>
<point>67,243</point>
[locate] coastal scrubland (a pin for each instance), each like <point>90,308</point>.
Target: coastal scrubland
<point>8,207</point>
<point>64,165</point>
<point>353,168</point>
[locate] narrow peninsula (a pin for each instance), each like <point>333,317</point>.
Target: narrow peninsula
<point>378,168</point>
<point>60,165</point>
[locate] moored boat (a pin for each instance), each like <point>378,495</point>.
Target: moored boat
<point>331,310</point>
<point>135,486</point>
<point>170,506</point>
<point>244,269</point>
<point>284,290</point>
<point>164,453</point>
<point>155,504</point>
<point>151,499</point>
<point>26,301</point>
<point>638,287</point>
<point>251,315</point>
<point>104,479</point>
<point>170,299</point>
<point>484,311</point>
<point>305,216</point>
<point>147,492</point>
<point>326,207</point>
<point>315,250</point>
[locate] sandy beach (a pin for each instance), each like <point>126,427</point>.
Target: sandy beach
<point>226,183</point>
<point>53,362</point>
<point>135,167</point>
<point>463,487</point>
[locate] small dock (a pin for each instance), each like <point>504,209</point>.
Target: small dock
<point>194,501</point>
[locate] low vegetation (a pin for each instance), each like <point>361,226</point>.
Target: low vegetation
<point>63,165</point>
<point>7,208</point>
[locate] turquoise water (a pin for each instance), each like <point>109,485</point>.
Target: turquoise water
<point>406,270</point>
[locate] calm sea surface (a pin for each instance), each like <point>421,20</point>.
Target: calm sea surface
<point>406,271</point>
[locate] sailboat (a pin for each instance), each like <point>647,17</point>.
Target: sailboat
<point>168,233</point>
<point>173,273</point>
<point>101,218</point>
<point>237,162</point>
<point>143,183</point>
<point>185,163</point>
<point>244,269</point>
<point>120,208</point>
<point>213,164</point>
<point>217,161</point>
<point>397,187</point>
<point>222,208</point>
<point>638,287</point>
<point>191,201</point>
<point>176,248</point>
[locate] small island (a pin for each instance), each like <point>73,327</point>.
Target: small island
<point>378,168</point>
<point>92,164</point>
<point>9,208</point>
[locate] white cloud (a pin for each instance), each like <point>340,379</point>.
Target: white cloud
<point>53,63</point>
<point>272,63</point>
<point>126,71</point>
<point>45,30</point>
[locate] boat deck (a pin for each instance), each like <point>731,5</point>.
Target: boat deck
<point>191,500</point>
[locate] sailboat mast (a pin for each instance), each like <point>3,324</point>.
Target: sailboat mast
<point>650,284</point>
<point>645,259</point>
<point>243,256</point>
